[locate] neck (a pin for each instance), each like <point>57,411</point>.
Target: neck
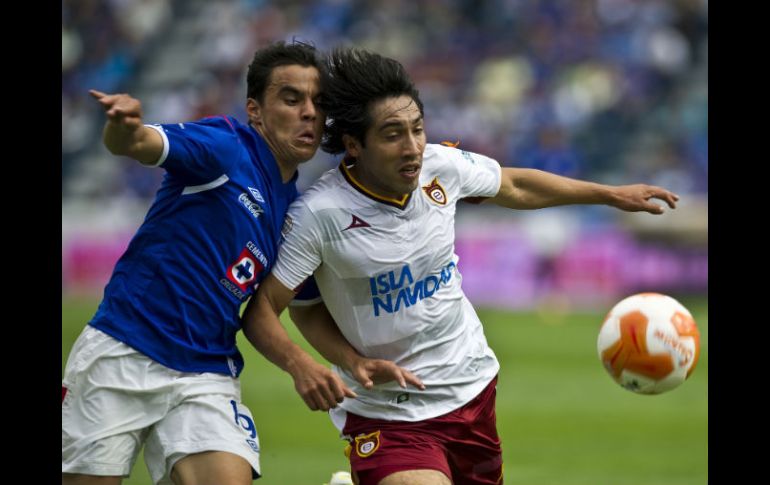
<point>366,182</point>
<point>286,167</point>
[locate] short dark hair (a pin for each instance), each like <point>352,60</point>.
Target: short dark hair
<point>275,55</point>
<point>351,82</point>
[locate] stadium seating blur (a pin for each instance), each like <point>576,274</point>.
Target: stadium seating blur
<point>614,91</point>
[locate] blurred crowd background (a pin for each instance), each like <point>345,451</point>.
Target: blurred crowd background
<point>614,91</point>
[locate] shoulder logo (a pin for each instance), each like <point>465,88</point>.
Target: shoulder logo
<point>366,444</point>
<point>450,144</point>
<point>357,222</point>
<point>435,192</point>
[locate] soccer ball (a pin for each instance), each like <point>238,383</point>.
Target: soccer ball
<point>649,343</point>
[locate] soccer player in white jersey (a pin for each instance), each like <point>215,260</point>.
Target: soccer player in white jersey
<point>378,234</point>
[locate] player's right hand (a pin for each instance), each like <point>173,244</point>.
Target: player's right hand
<point>319,387</point>
<point>121,109</point>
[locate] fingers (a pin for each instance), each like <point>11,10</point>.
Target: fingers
<point>362,376</point>
<point>671,199</point>
<point>412,379</point>
<point>349,393</point>
<point>339,390</point>
<point>650,192</point>
<point>654,209</point>
<point>325,393</point>
<point>381,371</point>
<point>120,108</point>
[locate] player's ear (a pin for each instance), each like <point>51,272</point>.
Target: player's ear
<point>351,146</point>
<point>254,111</point>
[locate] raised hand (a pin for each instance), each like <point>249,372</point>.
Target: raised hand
<point>124,132</point>
<point>636,198</point>
<point>121,109</point>
<point>369,372</point>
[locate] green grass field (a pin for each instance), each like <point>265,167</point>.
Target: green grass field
<point>561,418</point>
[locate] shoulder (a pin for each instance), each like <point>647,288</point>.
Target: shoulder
<point>324,192</point>
<point>214,127</point>
<point>222,122</point>
<point>441,159</point>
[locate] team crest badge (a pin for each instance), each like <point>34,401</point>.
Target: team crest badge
<point>366,444</point>
<point>244,270</point>
<point>435,192</point>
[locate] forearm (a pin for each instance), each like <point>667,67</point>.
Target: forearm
<point>319,329</point>
<point>264,331</point>
<point>318,386</point>
<point>535,189</point>
<point>142,143</point>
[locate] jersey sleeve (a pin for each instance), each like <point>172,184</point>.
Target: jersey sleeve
<point>477,175</point>
<point>308,294</point>
<point>200,151</point>
<point>300,253</point>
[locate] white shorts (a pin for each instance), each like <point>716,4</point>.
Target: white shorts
<point>114,399</point>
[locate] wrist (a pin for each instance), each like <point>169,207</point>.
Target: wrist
<point>298,361</point>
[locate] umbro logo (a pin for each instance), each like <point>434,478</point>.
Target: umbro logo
<point>257,195</point>
<point>357,222</point>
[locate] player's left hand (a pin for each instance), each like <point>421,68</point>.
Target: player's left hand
<point>369,372</point>
<point>636,198</point>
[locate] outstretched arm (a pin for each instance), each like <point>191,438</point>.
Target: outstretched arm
<point>318,327</point>
<point>524,188</point>
<point>124,134</point>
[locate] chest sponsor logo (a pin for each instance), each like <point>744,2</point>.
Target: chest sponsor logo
<point>367,444</point>
<point>435,192</point>
<point>398,289</point>
<point>254,209</point>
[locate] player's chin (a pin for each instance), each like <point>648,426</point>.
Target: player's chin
<point>306,153</point>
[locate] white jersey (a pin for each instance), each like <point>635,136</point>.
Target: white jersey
<point>388,274</point>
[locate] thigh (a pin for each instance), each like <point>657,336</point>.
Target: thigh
<point>416,477</point>
<point>105,411</point>
<point>473,445</point>
<point>209,467</point>
<point>78,479</point>
<point>209,417</point>
<point>395,450</point>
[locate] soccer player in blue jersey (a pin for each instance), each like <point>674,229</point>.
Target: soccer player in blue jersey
<point>158,365</point>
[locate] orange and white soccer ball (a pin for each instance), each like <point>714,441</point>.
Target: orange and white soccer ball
<point>649,343</point>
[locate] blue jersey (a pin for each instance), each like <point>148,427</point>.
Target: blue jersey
<point>209,238</point>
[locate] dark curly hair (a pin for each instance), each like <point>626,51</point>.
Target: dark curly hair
<point>275,55</point>
<point>351,82</point>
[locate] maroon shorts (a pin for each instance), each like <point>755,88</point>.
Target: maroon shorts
<point>463,444</point>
